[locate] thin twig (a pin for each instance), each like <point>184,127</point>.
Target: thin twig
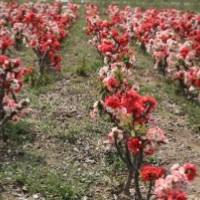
<point>150,189</point>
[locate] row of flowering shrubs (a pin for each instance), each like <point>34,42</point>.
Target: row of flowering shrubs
<point>172,37</point>
<point>136,135</point>
<point>41,27</point>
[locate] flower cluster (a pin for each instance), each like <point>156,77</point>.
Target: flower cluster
<point>136,134</point>
<point>114,48</point>
<point>170,36</point>
<point>41,27</point>
<point>6,40</point>
<point>174,184</point>
<point>130,105</point>
<point>11,76</point>
<point>149,173</point>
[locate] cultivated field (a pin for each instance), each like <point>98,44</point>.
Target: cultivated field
<point>56,151</point>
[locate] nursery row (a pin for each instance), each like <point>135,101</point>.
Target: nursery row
<point>136,134</point>
<point>171,36</point>
<point>41,27</point>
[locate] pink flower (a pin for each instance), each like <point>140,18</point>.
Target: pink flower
<point>172,186</point>
<point>115,134</point>
<point>157,135</point>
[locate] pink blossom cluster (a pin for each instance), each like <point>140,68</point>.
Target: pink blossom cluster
<point>174,184</point>
<point>171,36</point>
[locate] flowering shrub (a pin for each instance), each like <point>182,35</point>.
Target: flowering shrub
<point>11,74</point>
<point>170,36</point>
<point>135,135</point>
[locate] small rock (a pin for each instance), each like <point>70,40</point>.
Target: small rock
<point>36,196</point>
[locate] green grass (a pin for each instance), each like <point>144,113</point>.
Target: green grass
<point>80,61</point>
<point>20,132</point>
<point>192,5</point>
<point>36,178</point>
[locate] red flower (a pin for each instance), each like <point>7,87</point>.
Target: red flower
<point>114,33</point>
<point>190,171</point>
<point>105,24</point>
<point>56,59</point>
<point>123,40</point>
<point>149,172</point>
<point>134,145</point>
<point>112,102</point>
<point>56,45</point>
<point>6,43</point>
<point>179,196</point>
<point>105,48</point>
<point>129,100</point>
<point>3,59</point>
<point>29,18</point>
<point>149,102</point>
<point>33,43</point>
<point>112,83</point>
<point>197,83</point>
<point>138,105</point>
<point>184,51</point>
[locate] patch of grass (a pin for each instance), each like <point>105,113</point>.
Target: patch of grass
<point>143,59</point>
<point>19,132</point>
<point>150,90</point>
<point>190,108</point>
<point>154,160</point>
<point>96,65</point>
<point>71,135</point>
<point>87,67</point>
<point>33,91</point>
<point>45,126</point>
<point>147,89</point>
<point>38,179</point>
<point>82,57</point>
<point>186,5</point>
<point>82,70</point>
